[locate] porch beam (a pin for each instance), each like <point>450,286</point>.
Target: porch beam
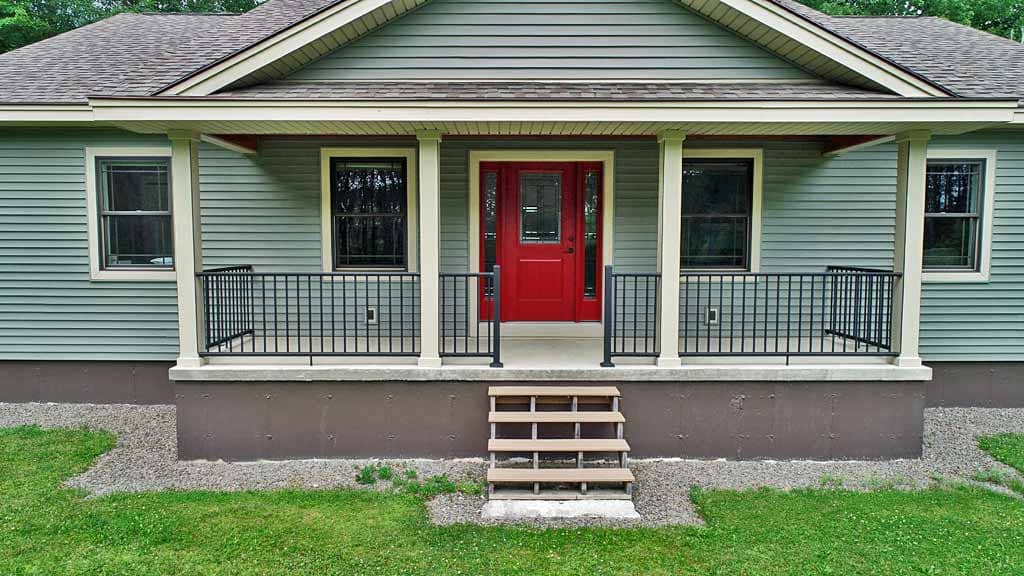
<point>188,247</point>
<point>908,258</point>
<point>430,246</point>
<point>670,214</point>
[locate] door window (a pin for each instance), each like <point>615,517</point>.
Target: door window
<point>540,208</point>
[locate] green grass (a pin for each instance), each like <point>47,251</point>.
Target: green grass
<point>1008,449</point>
<point>45,529</point>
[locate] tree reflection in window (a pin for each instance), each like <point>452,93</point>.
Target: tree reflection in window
<point>368,211</point>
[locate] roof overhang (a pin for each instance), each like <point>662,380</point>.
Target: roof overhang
<point>45,113</point>
<point>225,116</point>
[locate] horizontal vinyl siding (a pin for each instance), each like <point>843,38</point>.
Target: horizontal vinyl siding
<point>567,39</point>
<point>49,308</point>
<point>985,321</point>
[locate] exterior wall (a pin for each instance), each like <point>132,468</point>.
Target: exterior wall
<point>49,308</point>
<point>741,420</point>
<point>976,384</point>
<point>88,382</point>
<point>516,39</point>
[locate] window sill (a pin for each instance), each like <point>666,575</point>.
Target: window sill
<point>132,276</point>
<point>954,278</point>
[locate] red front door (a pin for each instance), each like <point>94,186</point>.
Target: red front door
<point>541,217</point>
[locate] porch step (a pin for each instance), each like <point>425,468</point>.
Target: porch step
<point>548,417</point>
<point>598,391</point>
<point>558,445</point>
<point>551,475</point>
<point>608,420</point>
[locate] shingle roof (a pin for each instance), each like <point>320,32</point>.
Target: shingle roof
<point>140,54</point>
<point>137,54</point>
<point>604,91</point>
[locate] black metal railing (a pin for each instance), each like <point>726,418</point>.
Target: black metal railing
<point>631,314</point>
<point>310,314</point>
<point>465,331</point>
<point>842,311</point>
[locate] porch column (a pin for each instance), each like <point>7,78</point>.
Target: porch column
<point>670,213</point>
<point>430,246</point>
<point>912,162</point>
<point>188,246</point>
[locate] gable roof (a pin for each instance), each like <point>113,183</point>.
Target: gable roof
<point>141,54</point>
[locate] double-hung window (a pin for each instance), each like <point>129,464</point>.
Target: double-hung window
<point>721,196</point>
<point>130,221</point>
<point>957,214</point>
<point>369,208</point>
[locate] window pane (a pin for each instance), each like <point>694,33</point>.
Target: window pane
<point>717,199</point>
<point>953,187</point>
<point>369,240</point>
<point>950,242</point>
<point>368,197</point>
<point>591,182</point>
<point>715,242</point>
<point>135,185</point>
<point>131,240</point>
<point>540,208</point>
<point>490,220</point>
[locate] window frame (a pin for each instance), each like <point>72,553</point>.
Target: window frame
<point>756,157</point>
<point>327,156</point>
<point>986,208</point>
<point>94,223</point>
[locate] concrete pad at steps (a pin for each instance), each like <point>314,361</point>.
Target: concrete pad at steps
<point>528,509</point>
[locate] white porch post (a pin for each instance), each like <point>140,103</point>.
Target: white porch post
<point>912,162</point>
<point>430,246</point>
<point>670,212</point>
<point>188,246</point>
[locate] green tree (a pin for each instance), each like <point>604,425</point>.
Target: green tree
<point>1002,17</point>
<point>23,22</point>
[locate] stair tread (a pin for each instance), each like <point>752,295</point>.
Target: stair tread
<point>558,445</point>
<point>510,416</point>
<point>560,475</point>
<point>553,391</point>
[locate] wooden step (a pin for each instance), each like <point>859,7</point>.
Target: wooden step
<point>527,494</point>
<point>544,417</point>
<point>608,391</point>
<point>558,445</point>
<point>549,475</point>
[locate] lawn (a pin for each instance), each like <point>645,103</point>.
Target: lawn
<point>1008,449</point>
<point>48,530</point>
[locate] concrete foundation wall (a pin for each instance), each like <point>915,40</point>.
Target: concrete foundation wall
<point>976,384</point>
<point>92,382</point>
<point>809,420</point>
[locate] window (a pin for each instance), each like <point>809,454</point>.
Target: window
<point>540,207</point>
<point>956,226</point>
<point>368,208</point>
<point>131,234</point>
<point>718,201</point>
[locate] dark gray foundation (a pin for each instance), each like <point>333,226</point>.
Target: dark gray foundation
<point>976,384</point>
<point>93,382</point>
<point>741,420</point>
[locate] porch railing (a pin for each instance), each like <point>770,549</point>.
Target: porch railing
<point>470,318</point>
<point>630,314</point>
<point>843,311</point>
<point>309,314</point>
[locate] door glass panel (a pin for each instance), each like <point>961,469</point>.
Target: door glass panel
<point>540,208</point>
<point>490,205</point>
<point>590,188</point>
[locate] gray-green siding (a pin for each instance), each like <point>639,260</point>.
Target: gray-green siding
<point>264,211</point>
<point>516,39</point>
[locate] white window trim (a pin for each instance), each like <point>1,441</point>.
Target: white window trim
<point>96,271</point>
<point>412,231</point>
<point>757,155</point>
<point>988,194</point>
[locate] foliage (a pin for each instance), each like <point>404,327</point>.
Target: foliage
<point>1002,17</point>
<point>45,529</point>
<point>23,22</point>
<point>1008,449</point>
<point>408,483</point>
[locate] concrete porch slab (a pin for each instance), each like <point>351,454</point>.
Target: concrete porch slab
<point>534,509</point>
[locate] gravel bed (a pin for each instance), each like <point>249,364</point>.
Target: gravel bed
<point>145,460</point>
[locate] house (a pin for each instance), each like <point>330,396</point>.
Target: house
<point>325,228</point>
